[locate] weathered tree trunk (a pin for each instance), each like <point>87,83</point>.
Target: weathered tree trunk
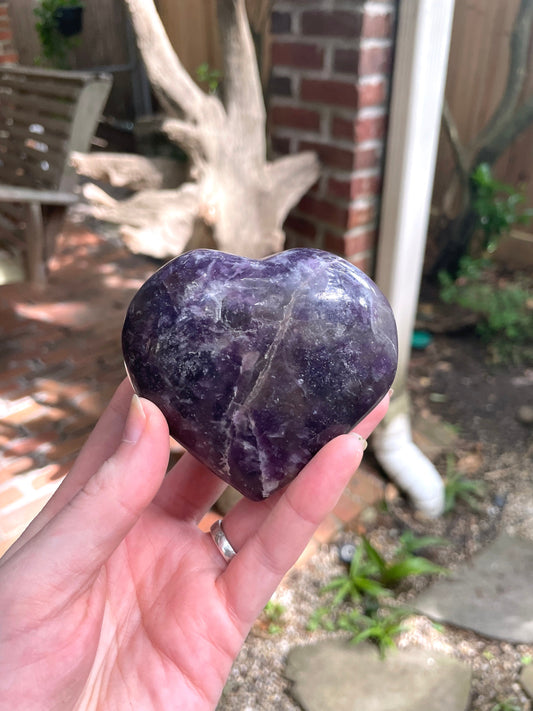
<point>134,172</point>
<point>456,238</point>
<point>238,196</point>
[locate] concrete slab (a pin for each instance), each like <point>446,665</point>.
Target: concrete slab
<point>335,675</point>
<point>490,595</point>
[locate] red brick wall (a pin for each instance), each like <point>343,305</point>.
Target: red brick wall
<point>331,66</point>
<point>8,53</point>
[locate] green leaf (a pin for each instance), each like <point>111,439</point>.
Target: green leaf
<point>411,543</point>
<point>415,565</point>
<point>437,626</point>
<point>349,622</point>
<point>345,591</point>
<point>364,634</point>
<point>357,560</point>
<point>371,587</point>
<point>373,555</point>
<point>334,584</point>
<point>482,174</point>
<point>316,620</point>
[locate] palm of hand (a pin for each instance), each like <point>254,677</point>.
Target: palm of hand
<point>166,640</point>
<point>114,598</point>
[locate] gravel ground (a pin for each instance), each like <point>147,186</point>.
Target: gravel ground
<point>482,452</point>
<point>257,682</point>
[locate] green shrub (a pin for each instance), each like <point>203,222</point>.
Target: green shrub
<point>504,307</point>
<point>273,614</point>
<point>55,46</point>
<point>208,76</point>
<point>368,581</point>
<point>458,488</point>
<point>498,206</point>
<point>510,704</point>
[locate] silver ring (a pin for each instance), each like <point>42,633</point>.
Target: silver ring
<point>224,546</point>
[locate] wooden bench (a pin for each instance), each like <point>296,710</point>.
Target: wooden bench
<point>44,115</point>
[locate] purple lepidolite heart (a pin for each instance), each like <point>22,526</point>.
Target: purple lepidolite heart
<point>256,364</point>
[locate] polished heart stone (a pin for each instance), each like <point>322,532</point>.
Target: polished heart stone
<point>256,364</point>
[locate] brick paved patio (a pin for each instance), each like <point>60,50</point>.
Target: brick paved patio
<point>60,360</point>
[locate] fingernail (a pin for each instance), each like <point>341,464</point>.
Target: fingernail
<point>364,443</point>
<point>391,392</point>
<point>135,421</point>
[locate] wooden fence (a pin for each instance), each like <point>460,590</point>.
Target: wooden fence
<point>192,28</point>
<point>107,41</point>
<point>103,43</point>
<point>477,72</point>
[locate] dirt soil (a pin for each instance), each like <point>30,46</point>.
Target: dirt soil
<point>452,384</point>
<point>456,381</point>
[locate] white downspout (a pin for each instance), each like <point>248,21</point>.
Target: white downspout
<point>421,60</point>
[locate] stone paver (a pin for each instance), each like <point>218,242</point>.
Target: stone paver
<point>336,676</point>
<point>60,362</point>
<point>526,679</point>
<point>491,594</point>
<point>432,436</point>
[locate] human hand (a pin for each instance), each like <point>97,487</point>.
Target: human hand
<point>113,598</point>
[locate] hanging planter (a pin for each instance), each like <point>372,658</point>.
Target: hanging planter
<point>59,24</point>
<point>69,20</point>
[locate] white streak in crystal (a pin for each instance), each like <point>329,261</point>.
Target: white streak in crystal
<point>272,350</point>
<point>267,485</point>
<point>243,410</point>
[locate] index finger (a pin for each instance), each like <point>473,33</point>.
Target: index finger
<point>101,443</point>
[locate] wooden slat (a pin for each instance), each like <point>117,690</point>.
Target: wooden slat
<point>23,179</point>
<point>24,154</point>
<point>40,160</point>
<point>7,223</point>
<point>47,197</point>
<point>39,106</point>
<point>11,210</point>
<point>54,124</point>
<point>34,167</point>
<point>31,175</point>
<point>55,160</point>
<point>65,76</point>
<point>12,237</point>
<point>40,87</point>
<point>28,172</point>
<point>54,143</point>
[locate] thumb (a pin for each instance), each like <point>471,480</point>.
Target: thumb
<point>82,536</point>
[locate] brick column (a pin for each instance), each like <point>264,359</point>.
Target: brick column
<point>8,54</point>
<point>331,66</point>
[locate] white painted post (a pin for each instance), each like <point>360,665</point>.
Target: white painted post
<point>421,60</point>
